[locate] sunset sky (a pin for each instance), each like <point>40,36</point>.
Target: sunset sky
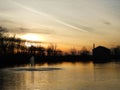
<point>67,23</point>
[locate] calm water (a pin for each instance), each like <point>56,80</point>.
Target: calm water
<point>64,76</point>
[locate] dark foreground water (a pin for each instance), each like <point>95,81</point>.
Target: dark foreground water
<point>64,76</point>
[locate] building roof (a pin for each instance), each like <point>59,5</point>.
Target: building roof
<point>101,47</point>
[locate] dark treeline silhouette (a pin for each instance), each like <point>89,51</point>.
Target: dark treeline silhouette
<point>14,51</point>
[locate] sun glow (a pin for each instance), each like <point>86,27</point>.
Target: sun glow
<point>32,37</point>
<point>28,44</point>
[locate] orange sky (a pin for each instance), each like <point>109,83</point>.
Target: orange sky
<point>67,23</point>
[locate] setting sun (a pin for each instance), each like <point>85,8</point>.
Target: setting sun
<point>31,37</point>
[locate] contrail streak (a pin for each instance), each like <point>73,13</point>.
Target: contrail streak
<point>49,16</point>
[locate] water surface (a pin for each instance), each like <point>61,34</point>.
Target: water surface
<point>64,76</point>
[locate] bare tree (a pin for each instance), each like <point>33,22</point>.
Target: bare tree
<point>73,51</point>
<point>51,50</point>
<point>2,40</point>
<point>84,51</point>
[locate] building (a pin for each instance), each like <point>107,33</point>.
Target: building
<point>101,54</point>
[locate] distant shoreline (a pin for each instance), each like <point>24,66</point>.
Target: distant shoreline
<point>14,60</point>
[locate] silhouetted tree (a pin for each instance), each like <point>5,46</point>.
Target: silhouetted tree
<point>73,52</point>
<point>51,50</point>
<point>84,51</point>
<point>116,52</point>
<point>2,40</point>
<point>32,50</point>
<point>59,53</point>
<point>11,46</point>
<point>41,51</point>
<point>18,45</point>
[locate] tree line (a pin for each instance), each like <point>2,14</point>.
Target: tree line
<point>13,45</point>
<point>16,48</point>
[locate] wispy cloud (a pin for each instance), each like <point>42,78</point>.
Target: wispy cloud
<point>36,30</point>
<point>82,29</point>
<point>5,21</point>
<point>107,22</point>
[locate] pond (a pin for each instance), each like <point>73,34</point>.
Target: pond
<point>62,76</point>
